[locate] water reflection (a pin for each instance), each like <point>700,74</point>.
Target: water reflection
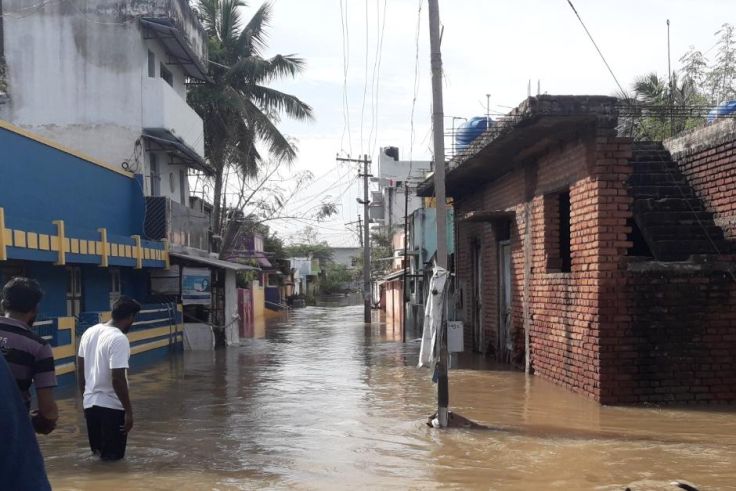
<point>324,401</point>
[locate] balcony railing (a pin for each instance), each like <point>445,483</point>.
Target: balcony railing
<point>181,225</point>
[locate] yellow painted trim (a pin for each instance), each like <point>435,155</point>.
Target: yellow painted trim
<point>138,252</point>
<point>101,247</point>
<point>113,250</point>
<point>129,251</point>
<point>65,368</point>
<point>32,240</point>
<point>61,241</point>
<point>83,249</point>
<point>149,333</point>
<point>75,246</point>
<point>3,237</point>
<point>19,238</point>
<point>63,351</point>
<point>148,347</point>
<point>67,323</point>
<point>67,245</point>
<point>105,316</point>
<point>75,153</point>
<point>43,242</point>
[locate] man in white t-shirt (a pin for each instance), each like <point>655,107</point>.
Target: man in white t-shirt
<point>102,364</point>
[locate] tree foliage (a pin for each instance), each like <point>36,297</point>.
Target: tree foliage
<point>239,110</point>
<point>660,108</point>
<point>336,278</point>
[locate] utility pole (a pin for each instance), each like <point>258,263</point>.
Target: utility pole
<point>443,395</point>
<point>672,88</point>
<point>367,294</point>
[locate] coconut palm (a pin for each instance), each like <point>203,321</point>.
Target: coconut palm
<point>658,111</point>
<point>239,110</point>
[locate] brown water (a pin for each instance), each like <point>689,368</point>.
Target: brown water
<point>324,403</point>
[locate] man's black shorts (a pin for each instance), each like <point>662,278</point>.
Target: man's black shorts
<point>105,432</point>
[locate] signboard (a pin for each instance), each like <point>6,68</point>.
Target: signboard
<point>196,286</point>
<point>454,336</point>
<point>166,282</point>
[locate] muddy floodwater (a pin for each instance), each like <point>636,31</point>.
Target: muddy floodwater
<point>322,402</point>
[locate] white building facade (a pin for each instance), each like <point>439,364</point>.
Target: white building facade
<point>109,78</point>
<point>389,204</point>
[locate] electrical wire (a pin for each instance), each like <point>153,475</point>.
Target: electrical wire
<point>345,63</point>
<point>623,92</point>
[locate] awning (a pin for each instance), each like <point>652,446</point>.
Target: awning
<point>394,275</point>
<point>262,260</point>
<point>215,263</point>
<point>160,139</point>
<point>177,47</point>
<point>488,216</point>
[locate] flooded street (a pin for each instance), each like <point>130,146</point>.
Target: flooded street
<point>322,402</point>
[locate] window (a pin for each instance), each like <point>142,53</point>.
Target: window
<point>155,176</point>
<point>151,64</point>
<point>74,292</point>
<point>565,253</point>
<point>167,75</point>
<point>557,246</point>
<point>272,281</point>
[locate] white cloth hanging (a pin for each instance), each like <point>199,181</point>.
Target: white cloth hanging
<point>433,311</point>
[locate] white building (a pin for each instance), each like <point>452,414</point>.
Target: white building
<point>389,205</point>
<point>347,256</point>
<point>109,78</point>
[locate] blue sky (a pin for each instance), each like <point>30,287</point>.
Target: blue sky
<point>489,46</point>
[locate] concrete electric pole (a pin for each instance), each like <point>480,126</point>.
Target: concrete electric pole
<point>367,293</point>
<point>443,395</point>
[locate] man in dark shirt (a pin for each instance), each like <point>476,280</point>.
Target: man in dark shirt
<point>28,355</point>
<point>21,463</point>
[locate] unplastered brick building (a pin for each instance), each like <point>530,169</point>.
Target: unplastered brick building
<point>596,262</point>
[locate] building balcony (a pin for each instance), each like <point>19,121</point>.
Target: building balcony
<point>181,225</point>
<point>164,109</point>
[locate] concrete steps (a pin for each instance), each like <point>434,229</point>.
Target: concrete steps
<point>670,216</point>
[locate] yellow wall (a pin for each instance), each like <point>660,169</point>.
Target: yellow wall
<point>259,302</point>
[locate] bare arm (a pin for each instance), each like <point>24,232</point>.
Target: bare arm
<point>48,414</point>
<point>120,386</point>
<point>80,374</point>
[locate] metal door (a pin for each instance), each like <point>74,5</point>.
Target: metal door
<point>477,297</point>
<point>505,310</point>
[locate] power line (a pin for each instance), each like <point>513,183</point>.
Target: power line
<point>416,92</point>
<point>345,63</point>
<point>623,92</point>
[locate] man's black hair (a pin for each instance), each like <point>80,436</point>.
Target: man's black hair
<point>21,295</point>
<point>124,308</point>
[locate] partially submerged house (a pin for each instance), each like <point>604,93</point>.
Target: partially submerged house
<point>596,262</point>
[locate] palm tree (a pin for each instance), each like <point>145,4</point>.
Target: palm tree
<point>238,108</point>
<point>659,110</point>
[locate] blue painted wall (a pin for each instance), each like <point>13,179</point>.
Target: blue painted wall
<point>53,281</point>
<point>425,232</point>
<point>49,184</point>
<point>96,289</point>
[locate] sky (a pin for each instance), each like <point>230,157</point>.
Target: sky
<point>368,94</point>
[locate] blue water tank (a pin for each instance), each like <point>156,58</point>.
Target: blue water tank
<point>470,130</point>
<point>722,110</point>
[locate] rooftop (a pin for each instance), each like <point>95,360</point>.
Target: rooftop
<point>523,133</point>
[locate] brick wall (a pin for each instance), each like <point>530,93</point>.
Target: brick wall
<point>682,336</point>
<point>566,311</point>
<point>707,157</point>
